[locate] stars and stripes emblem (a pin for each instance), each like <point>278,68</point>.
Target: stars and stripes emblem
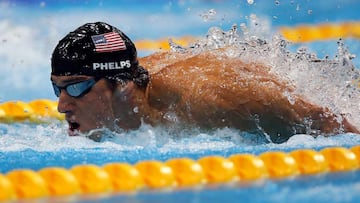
<point>108,42</point>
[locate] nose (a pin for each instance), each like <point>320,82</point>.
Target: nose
<point>64,104</point>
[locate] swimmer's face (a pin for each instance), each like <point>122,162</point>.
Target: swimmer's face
<point>88,111</point>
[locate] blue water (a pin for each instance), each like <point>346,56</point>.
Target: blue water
<point>31,29</point>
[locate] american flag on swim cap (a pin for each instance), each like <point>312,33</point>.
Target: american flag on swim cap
<point>108,42</point>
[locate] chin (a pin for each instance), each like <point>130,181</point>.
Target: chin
<point>72,132</point>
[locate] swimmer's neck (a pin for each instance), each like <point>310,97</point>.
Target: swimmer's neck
<point>131,107</point>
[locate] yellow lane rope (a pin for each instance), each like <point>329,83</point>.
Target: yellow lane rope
<point>325,31</point>
<point>39,110</point>
<point>162,44</point>
<point>120,178</point>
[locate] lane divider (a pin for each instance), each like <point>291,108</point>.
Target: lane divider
<point>325,31</point>
<point>36,111</point>
<point>122,178</point>
<point>163,44</point>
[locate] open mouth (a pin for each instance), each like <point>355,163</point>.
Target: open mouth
<point>73,128</point>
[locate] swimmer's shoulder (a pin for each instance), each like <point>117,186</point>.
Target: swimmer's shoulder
<point>159,60</point>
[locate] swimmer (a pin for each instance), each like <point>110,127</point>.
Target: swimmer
<point>101,84</point>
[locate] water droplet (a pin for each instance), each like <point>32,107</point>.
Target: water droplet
<point>171,116</point>
<point>176,47</point>
<point>209,15</point>
<point>289,97</point>
<point>250,1</point>
<point>136,109</point>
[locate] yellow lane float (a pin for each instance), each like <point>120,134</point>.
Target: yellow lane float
<point>156,174</point>
<point>7,190</point>
<point>218,169</point>
<point>187,172</point>
<point>28,184</point>
<point>45,108</point>
<point>249,167</point>
<point>340,159</point>
<point>309,161</point>
<point>37,111</point>
<point>279,164</point>
<point>92,179</point>
<point>124,177</point>
<point>16,111</point>
<point>56,178</point>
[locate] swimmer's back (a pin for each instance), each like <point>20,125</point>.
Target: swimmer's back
<point>213,91</point>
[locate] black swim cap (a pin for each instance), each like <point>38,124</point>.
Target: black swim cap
<point>100,50</point>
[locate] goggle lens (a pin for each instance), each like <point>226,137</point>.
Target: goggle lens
<point>75,89</point>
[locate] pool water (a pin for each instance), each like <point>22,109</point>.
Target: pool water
<point>24,76</point>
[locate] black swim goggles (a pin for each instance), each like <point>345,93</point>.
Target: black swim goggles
<point>76,89</point>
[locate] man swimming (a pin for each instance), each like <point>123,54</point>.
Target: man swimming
<point>100,84</point>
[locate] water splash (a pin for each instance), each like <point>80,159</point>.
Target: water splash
<point>323,81</point>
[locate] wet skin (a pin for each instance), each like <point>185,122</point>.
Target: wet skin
<point>212,90</point>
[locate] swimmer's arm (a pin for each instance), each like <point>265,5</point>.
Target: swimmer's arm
<point>323,119</point>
